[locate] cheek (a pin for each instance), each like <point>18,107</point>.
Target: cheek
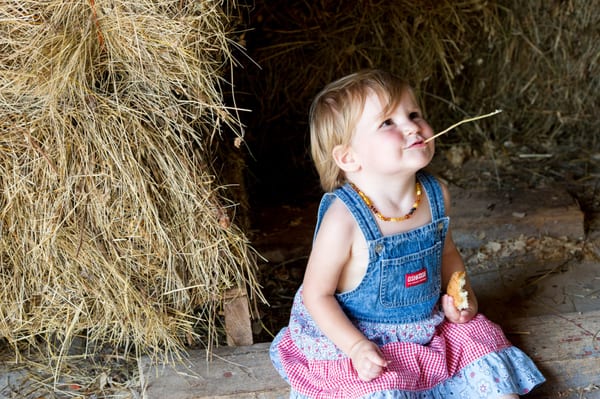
<point>426,130</point>
<point>431,145</point>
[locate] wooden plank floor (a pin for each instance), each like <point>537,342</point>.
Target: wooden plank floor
<point>234,372</point>
<point>550,309</point>
<point>566,348</point>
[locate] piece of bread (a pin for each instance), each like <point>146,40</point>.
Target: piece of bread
<point>457,292</point>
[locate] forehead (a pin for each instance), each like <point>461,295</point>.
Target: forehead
<point>382,103</point>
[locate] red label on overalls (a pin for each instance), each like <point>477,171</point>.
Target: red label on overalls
<point>415,278</point>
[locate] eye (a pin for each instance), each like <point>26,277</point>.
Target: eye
<point>414,115</point>
<point>387,122</point>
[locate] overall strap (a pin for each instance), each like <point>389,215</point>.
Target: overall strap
<point>361,213</point>
<point>434,192</point>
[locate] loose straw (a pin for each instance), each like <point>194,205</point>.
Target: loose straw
<point>463,121</point>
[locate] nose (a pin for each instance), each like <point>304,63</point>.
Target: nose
<point>409,127</point>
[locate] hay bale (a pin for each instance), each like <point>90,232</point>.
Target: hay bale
<point>541,67</point>
<point>114,224</point>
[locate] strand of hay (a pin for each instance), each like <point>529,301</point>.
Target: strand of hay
<point>114,225</point>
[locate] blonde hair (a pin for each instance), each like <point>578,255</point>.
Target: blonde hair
<point>335,111</point>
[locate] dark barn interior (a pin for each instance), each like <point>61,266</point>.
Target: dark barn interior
<point>537,61</point>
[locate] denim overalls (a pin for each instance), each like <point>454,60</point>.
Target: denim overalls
<point>403,279</point>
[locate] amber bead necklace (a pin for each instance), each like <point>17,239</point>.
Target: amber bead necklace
<point>376,212</point>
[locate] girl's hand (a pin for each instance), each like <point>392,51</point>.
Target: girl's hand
<point>458,316</point>
<point>367,360</point>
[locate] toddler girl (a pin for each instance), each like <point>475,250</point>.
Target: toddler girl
<point>371,318</point>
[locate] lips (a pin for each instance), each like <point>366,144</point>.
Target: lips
<point>416,143</point>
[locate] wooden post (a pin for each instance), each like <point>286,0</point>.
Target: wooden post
<point>237,317</point>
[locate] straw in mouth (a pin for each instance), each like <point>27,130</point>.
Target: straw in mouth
<point>461,122</point>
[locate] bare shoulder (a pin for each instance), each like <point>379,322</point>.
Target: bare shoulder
<point>337,220</point>
<point>331,248</point>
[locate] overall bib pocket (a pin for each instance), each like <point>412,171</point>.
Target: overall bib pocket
<point>411,279</point>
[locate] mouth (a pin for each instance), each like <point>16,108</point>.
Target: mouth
<point>417,143</point>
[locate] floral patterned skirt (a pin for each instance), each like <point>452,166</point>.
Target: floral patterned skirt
<point>471,360</point>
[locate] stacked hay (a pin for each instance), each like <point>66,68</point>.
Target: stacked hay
<point>114,226</point>
<point>536,60</point>
<point>540,63</point>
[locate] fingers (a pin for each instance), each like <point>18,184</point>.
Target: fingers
<point>370,369</point>
<point>370,374</point>
<point>450,310</point>
<point>379,361</point>
<point>368,360</point>
<point>454,315</point>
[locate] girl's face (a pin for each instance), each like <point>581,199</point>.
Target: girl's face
<point>392,143</point>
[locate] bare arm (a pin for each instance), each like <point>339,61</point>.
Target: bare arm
<point>451,262</point>
<point>331,252</point>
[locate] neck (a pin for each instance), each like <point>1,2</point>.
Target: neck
<point>385,189</point>
<point>392,201</point>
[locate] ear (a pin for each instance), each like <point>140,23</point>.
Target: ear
<point>344,158</point>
